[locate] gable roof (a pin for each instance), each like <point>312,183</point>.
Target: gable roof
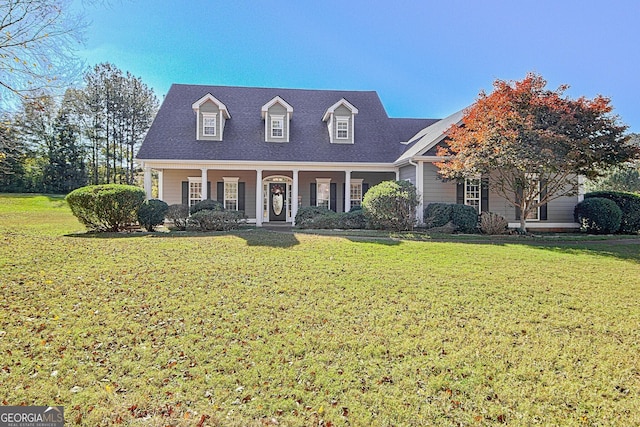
<point>171,136</point>
<point>275,100</point>
<point>208,97</point>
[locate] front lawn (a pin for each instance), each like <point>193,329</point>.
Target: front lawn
<point>258,327</point>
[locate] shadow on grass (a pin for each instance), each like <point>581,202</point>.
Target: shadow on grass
<point>253,236</point>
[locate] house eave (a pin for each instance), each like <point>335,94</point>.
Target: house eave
<point>269,165</point>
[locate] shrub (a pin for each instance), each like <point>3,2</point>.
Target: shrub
<point>211,220</point>
<point>391,205</point>
<point>152,213</point>
<point>107,207</point>
<point>313,217</point>
<point>598,215</point>
<point>207,205</point>
<point>492,223</point>
<point>354,219</point>
<point>437,214</point>
<point>465,218</point>
<point>629,204</point>
<point>178,214</point>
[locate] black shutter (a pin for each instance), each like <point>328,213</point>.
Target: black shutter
<point>344,195</point>
<point>543,194</point>
<point>484,195</point>
<point>241,196</point>
<point>333,189</point>
<point>185,193</point>
<point>460,193</point>
<point>365,188</point>
<point>313,195</point>
<point>518,198</point>
<point>220,192</point>
<point>208,189</point>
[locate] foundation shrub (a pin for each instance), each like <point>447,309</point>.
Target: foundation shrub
<point>391,205</point>
<point>597,215</point>
<point>215,220</point>
<point>207,205</point>
<point>493,223</point>
<point>178,214</point>
<point>152,213</point>
<point>629,204</point>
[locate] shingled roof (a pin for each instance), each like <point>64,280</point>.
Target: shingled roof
<point>378,137</point>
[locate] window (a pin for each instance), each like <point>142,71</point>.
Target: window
<point>472,188</point>
<point>534,183</point>
<point>323,192</point>
<point>277,126</point>
<point>231,193</point>
<point>209,124</point>
<point>356,193</point>
<point>195,190</point>
<point>342,128</point>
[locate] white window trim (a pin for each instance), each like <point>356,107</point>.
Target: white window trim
<point>466,194</point>
<point>275,119</point>
<point>319,182</point>
<point>194,180</point>
<point>340,121</point>
<point>356,182</point>
<point>230,180</point>
<point>206,116</point>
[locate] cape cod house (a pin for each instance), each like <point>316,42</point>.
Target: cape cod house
<point>269,151</point>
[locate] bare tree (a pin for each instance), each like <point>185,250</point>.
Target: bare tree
<point>38,41</point>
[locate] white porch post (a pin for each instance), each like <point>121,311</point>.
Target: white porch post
<point>160,184</point>
<point>420,190</point>
<point>294,196</point>
<point>148,184</point>
<point>205,195</point>
<point>347,191</point>
<point>397,174</point>
<point>259,198</point>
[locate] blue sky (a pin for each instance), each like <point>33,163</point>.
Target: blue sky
<point>424,58</point>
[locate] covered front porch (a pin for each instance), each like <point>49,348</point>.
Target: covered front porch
<point>267,193</point>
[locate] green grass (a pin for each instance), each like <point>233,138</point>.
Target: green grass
<point>255,327</point>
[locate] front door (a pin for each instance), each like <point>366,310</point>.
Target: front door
<point>277,202</point>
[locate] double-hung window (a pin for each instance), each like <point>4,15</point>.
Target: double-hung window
<point>534,189</point>
<point>342,128</point>
<point>195,190</point>
<point>231,194</point>
<point>208,124</point>
<point>356,193</point>
<point>277,126</point>
<point>472,192</point>
<point>323,190</point>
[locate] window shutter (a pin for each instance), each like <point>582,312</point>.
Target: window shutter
<point>543,194</point>
<point>185,193</point>
<point>241,196</point>
<point>365,188</point>
<point>333,190</point>
<point>460,193</point>
<point>220,192</point>
<point>518,198</point>
<point>208,189</point>
<point>313,195</point>
<point>484,195</point>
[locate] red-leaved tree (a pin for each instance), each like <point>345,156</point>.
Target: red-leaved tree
<point>535,143</point>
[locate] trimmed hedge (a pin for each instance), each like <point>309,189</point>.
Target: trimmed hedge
<point>151,213</point>
<point>629,204</point>
<point>215,220</point>
<point>178,214</point>
<point>322,218</point>
<point>107,207</point>
<point>391,205</point>
<point>463,217</point>
<point>598,215</point>
<point>207,205</point>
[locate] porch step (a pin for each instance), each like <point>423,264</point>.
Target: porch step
<point>280,226</point>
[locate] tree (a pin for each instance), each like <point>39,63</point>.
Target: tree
<point>535,143</point>
<point>625,177</point>
<point>38,40</point>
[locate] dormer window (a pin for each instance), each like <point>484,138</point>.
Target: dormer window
<point>277,126</point>
<point>209,124</point>
<point>340,118</point>
<point>277,115</point>
<point>211,115</point>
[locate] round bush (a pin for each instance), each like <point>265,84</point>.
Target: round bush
<point>313,217</point>
<point>178,214</point>
<point>107,207</point>
<point>465,218</point>
<point>629,204</point>
<point>391,205</point>
<point>151,213</point>
<point>598,215</point>
<point>437,214</point>
<point>207,205</point>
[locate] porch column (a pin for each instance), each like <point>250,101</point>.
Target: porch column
<point>259,198</point>
<point>294,196</point>
<point>148,184</point>
<point>347,191</point>
<point>420,190</point>
<point>397,174</point>
<point>160,184</point>
<point>205,195</point>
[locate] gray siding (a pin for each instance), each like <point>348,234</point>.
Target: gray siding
<point>210,107</point>
<point>277,110</point>
<point>408,173</point>
<point>342,113</point>
<point>436,190</point>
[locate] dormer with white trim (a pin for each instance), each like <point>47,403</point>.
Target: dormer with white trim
<point>211,115</point>
<point>277,115</point>
<point>340,118</point>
